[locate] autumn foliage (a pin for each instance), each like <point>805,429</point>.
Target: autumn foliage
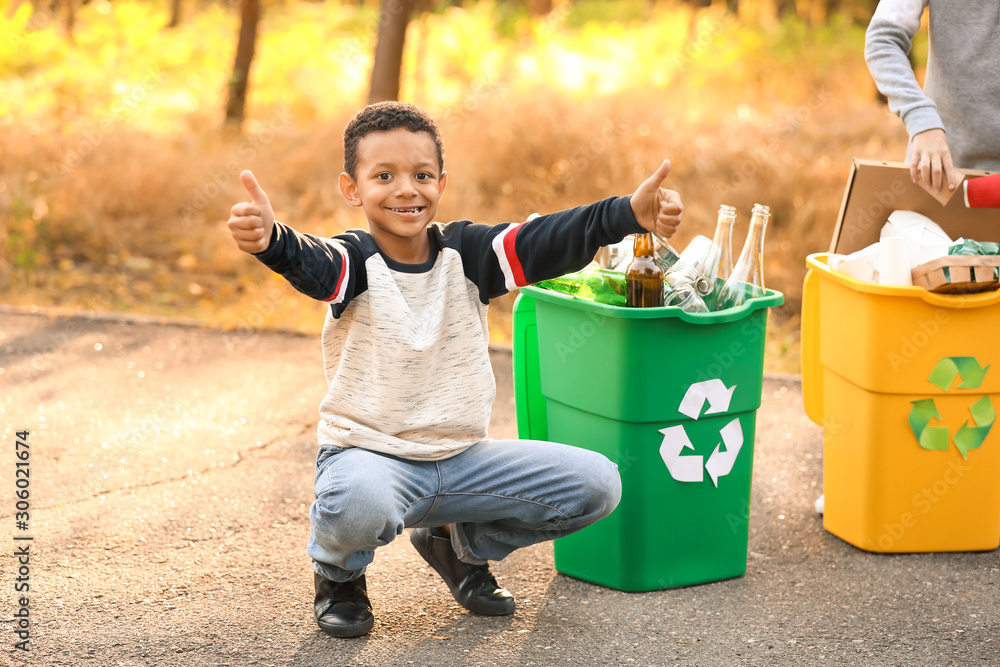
<point>117,171</point>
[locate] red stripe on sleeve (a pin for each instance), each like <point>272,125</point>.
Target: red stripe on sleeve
<point>338,292</point>
<point>512,259</point>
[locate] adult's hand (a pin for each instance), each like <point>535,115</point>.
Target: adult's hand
<point>931,164</point>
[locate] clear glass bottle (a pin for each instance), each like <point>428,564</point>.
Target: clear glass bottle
<point>723,243</point>
<point>715,267</point>
<point>644,277</point>
<point>747,279</point>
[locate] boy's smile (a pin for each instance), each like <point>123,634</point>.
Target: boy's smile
<point>398,184</point>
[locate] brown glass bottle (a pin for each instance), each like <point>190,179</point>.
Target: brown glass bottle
<point>644,277</point>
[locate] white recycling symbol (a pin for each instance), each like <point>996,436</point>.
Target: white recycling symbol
<point>675,438</point>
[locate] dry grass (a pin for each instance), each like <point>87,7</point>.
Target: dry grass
<point>134,221</point>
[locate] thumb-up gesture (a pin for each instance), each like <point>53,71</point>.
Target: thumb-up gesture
<point>658,210</point>
<point>251,222</point>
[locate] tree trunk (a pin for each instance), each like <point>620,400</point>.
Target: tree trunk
<point>833,7</point>
<point>819,12</point>
<point>786,8</point>
<point>539,7</point>
<point>175,14</point>
<point>393,18</point>
<point>250,14</point>
<point>70,19</point>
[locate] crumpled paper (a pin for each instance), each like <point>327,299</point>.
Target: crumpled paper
<point>860,265</point>
<point>925,240</point>
<point>907,240</point>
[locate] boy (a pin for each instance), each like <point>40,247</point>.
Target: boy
<point>402,433</point>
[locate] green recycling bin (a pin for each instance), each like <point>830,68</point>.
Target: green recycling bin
<point>669,396</point>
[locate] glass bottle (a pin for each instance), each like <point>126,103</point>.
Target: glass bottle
<point>682,281</point>
<point>713,269</point>
<point>723,243</point>
<point>644,277</point>
<point>747,279</point>
<point>598,285</point>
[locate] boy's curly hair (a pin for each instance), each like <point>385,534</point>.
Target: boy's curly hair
<point>383,117</point>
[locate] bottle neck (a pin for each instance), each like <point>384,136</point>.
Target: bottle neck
<point>755,237</point>
<point>724,230</point>
<point>754,246</point>
<point>722,244</point>
<point>643,245</point>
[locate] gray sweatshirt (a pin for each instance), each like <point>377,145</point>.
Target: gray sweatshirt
<point>962,87</point>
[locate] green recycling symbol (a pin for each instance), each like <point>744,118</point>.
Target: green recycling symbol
<point>924,410</point>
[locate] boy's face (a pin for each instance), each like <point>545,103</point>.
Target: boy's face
<point>399,185</point>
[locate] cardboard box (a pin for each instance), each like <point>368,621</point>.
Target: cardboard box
<point>876,189</point>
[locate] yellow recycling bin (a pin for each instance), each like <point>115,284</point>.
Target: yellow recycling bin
<point>905,383</point>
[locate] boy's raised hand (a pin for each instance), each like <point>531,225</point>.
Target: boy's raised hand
<point>657,209</point>
<point>251,222</point>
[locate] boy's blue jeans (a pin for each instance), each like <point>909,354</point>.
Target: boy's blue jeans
<point>499,495</point>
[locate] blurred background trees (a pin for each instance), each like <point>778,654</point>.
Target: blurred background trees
<point>119,160</point>
<point>394,16</point>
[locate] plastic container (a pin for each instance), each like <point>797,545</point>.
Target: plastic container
<point>904,382</point>
<point>636,384</point>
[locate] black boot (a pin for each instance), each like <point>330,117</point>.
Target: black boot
<point>473,586</point>
<point>342,607</point>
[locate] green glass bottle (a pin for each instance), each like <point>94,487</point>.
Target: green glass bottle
<point>599,285</point>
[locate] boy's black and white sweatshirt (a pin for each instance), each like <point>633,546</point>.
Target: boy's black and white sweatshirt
<point>405,346</point>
